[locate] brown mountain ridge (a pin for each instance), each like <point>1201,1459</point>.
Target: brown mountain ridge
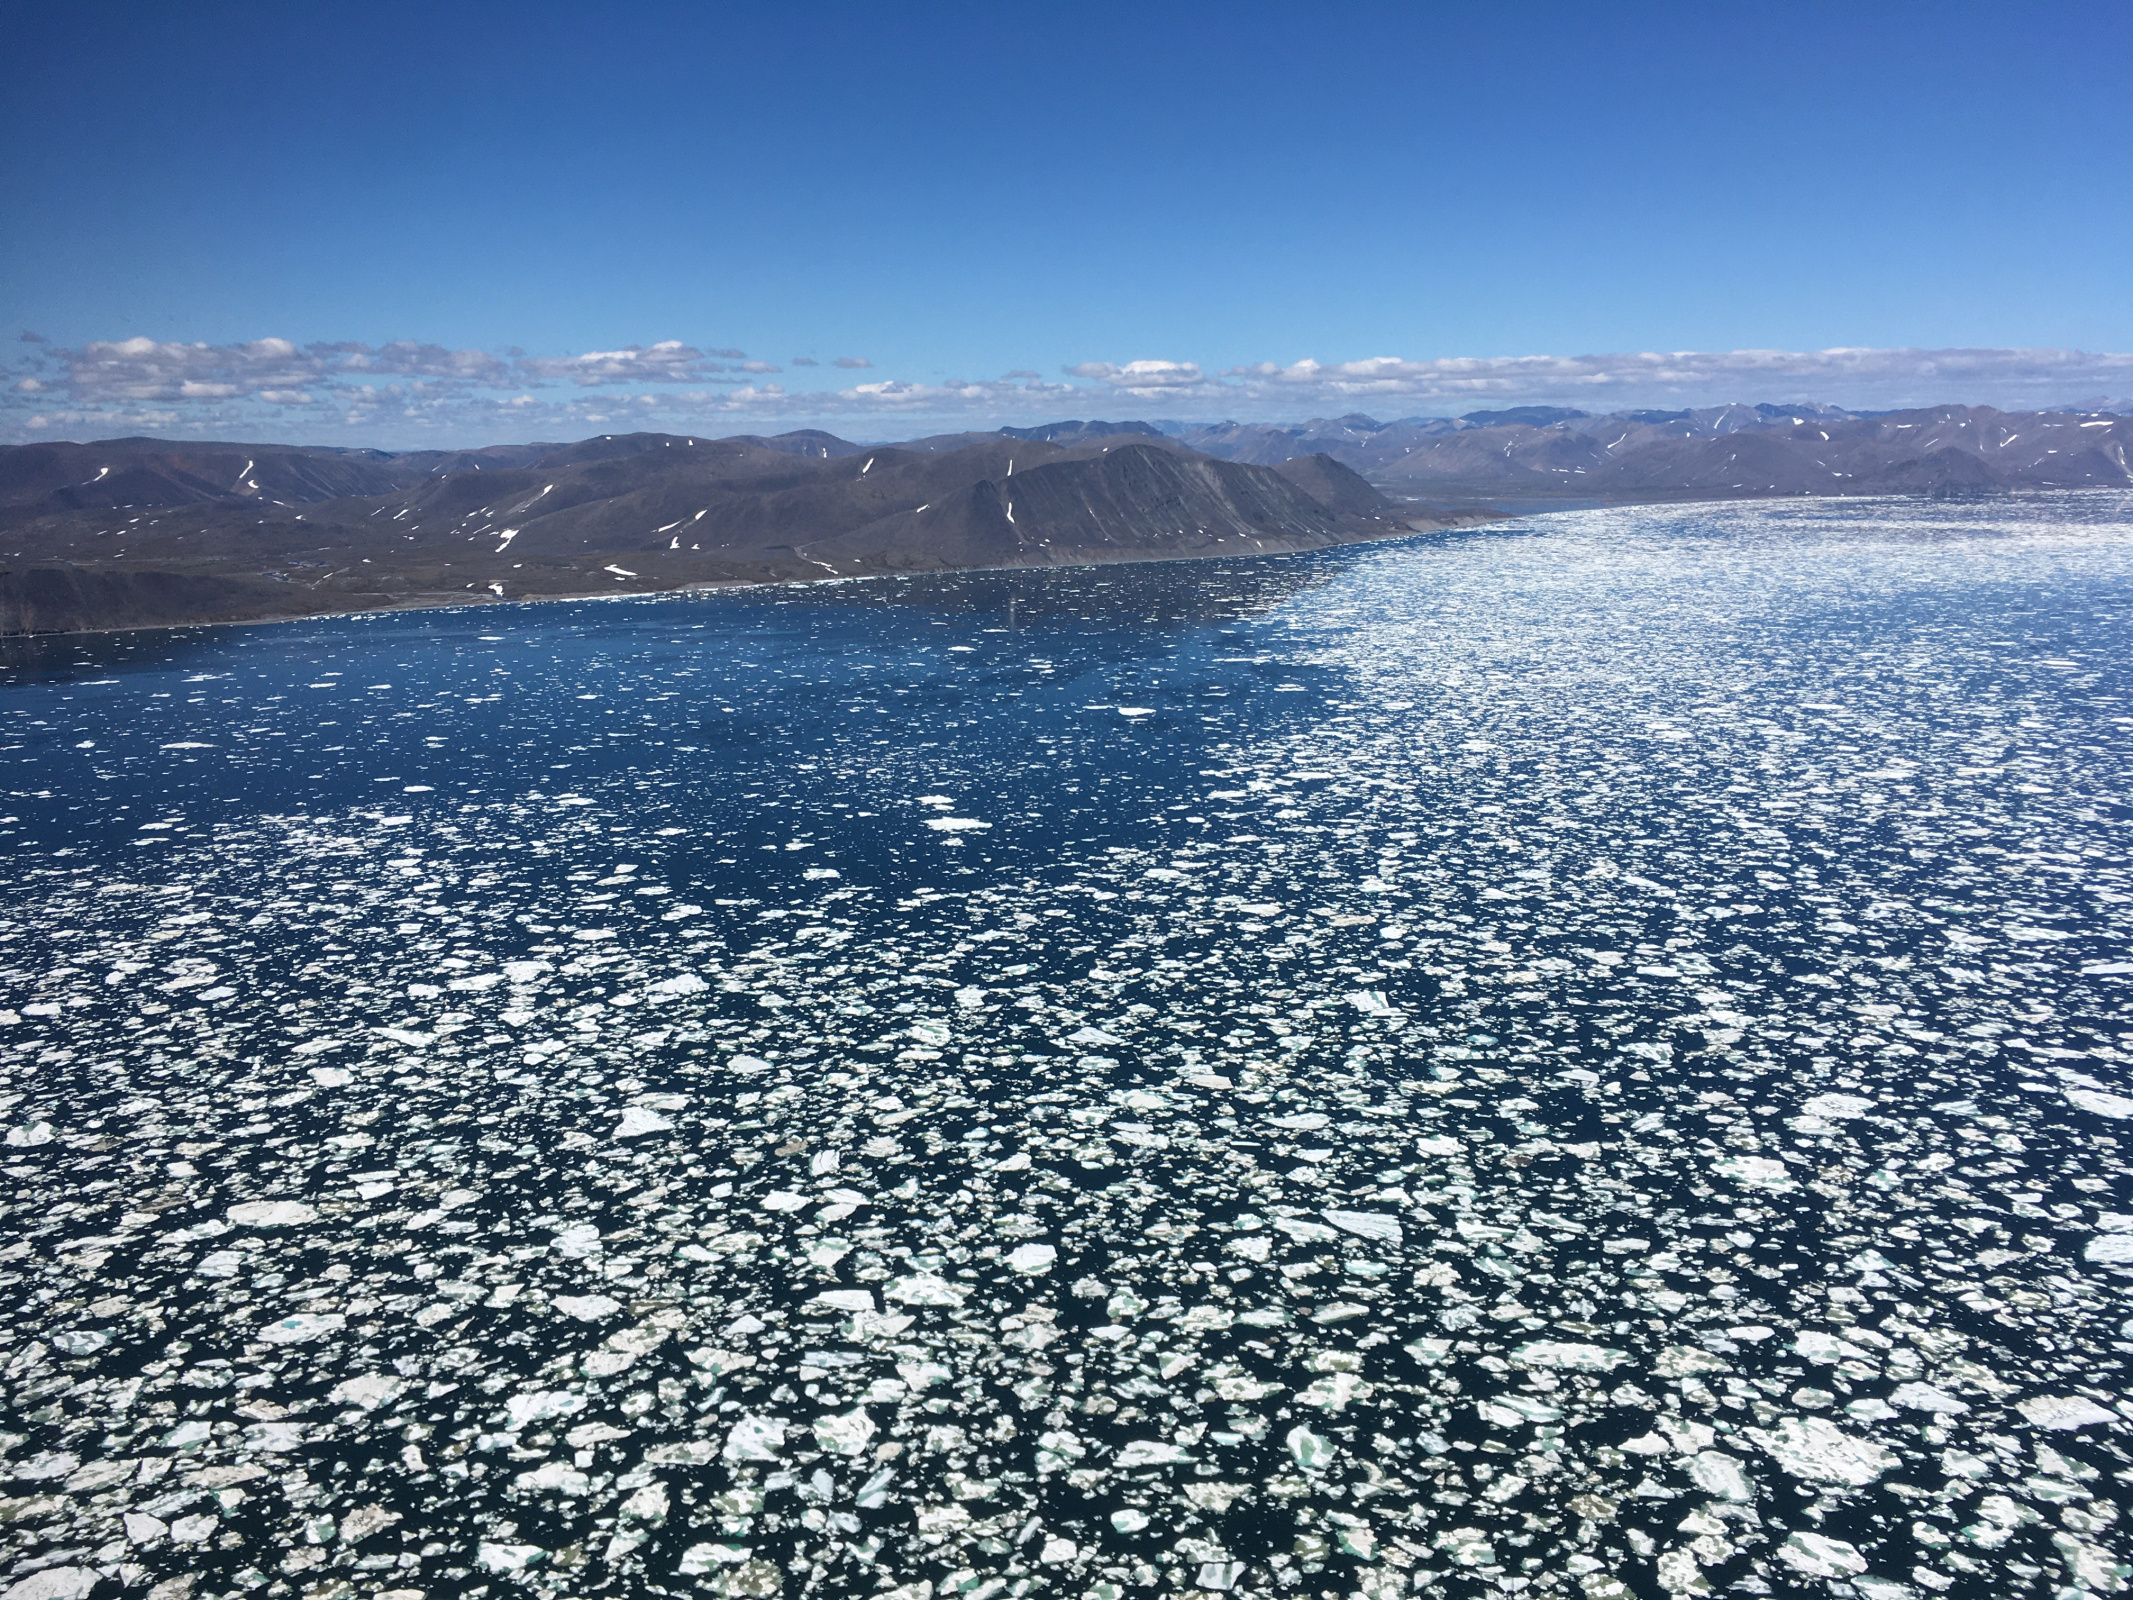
<point>138,532</point>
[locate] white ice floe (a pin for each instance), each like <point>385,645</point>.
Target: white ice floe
<point>303,1327</point>
<point>272,1214</point>
<point>1818,1451</point>
<point>1032,1258</point>
<point>2065,1413</point>
<point>1816,1556</point>
<point>586,1307</point>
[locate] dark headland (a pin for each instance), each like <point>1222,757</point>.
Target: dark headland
<point>147,532</point>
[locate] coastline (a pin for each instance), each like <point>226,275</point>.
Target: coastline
<point>441,600</point>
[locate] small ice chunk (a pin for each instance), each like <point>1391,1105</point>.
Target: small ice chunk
<point>1032,1258</point>
<point>1150,1453</point>
<point>1924,1397</point>
<point>784,1200</point>
<point>852,1300</point>
<point>1815,1449</point>
<point>1308,1450</point>
<point>586,1307</point>
<point>370,1390</point>
<point>303,1327</point>
<point>1057,1450</point>
<point>756,1439</point>
<point>925,1289</point>
<point>272,1214</point>
<point>2110,1249</point>
<point>1566,1357</point>
<point>1301,1122</point>
<point>521,1411</point>
<point>2104,1105</point>
<point>501,1558</point>
<point>1093,1035</point>
<point>55,1583</point>
<point>1716,1473</point>
<point>1758,1172</point>
<point>1367,1225</point>
<point>1837,1107</point>
<point>1821,1557</point>
<point>2064,1413</point>
<point>638,1121</point>
<point>845,1435</point>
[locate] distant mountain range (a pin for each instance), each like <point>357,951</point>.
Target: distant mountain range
<point>1541,454</point>
<point>149,532</point>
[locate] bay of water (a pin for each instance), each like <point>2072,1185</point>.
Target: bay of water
<point>1583,1058</point>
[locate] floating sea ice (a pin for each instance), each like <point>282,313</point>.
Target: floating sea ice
<point>784,1200</point>
<point>640,1120</point>
<point>1717,1473</point>
<point>1818,1451</point>
<point>1924,1397</point>
<point>925,1289</point>
<point>1758,1172</point>
<point>1371,1002</point>
<point>1032,1258</point>
<point>680,984</point>
<point>2064,1413</point>
<point>523,1410</point>
<point>553,1477</point>
<point>1150,1453</point>
<point>2104,1105</point>
<point>55,1583</point>
<point>1564,1356</point>
<point>577,1242</point>
<point>1301,1122</point>
<point>1367,1225</point>
<point>2110,1249</point>
<point>369,1391</point>
<point>755,1439</point>
<point>845,1435</point>
<point>502,1558</point>
<point>851,1300</point>
<point>1837,1107</point>
<point>586,1307</point>
<point>302,1328</point>
<point>1093,1035</point>
<point>1057,1450</point>
<point>1308,1450</point>
<point>1819,1557</point>
<point>272,1214</point>
<point>1468,1547</point>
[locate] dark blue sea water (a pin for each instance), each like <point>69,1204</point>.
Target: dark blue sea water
<point>1584,1058</point>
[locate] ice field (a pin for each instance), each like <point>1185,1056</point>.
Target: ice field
<point>1587,1058</point>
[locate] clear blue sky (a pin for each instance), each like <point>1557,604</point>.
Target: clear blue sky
<point>958,193</point>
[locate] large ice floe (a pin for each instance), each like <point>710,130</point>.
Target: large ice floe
<point>1584,1059</point>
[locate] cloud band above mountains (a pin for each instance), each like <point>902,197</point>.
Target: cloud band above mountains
<point>407,393</point>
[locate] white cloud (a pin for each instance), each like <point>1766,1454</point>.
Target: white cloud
<point>1142,377</point>
<point>1857,377</point>
<point>409,394</point>
<point>853,362</point>
<point>669,361</point>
